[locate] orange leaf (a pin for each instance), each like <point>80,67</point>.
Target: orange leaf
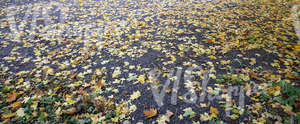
<point>243,52</point>
<point>11,97</point>
<point>291,76</point>
<point>254,75</point>
<point>82,92</point>
<point>85,99</point>
<point>151,113</point>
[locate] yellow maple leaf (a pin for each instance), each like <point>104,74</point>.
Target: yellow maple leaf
<point>223,62</point>
<point>135,95</point>
<point>20,80</point>
<point>141,79</point>
<point>180,31</point>
<point>288,109</point>
<point>297,47</point>
<point>37,52</point>
<point>252,61</point>
<point>116,73</point>
<point>16,105</point>
<point>150,113</point>
<point>212,57</point>
<point>8,116</point>
<point>214,112</point>
<point>173,58</point>
<point>205,117</point>
<point>261,120</point>
<point>70,101</point>
<point>198,30</point>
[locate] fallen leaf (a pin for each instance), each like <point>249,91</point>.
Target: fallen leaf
<point>116,73</point>
<point>11,97</point>
<point>214,112</point>
<point>8,116</point>
<point>16,105</point>
<point>189,112</point>
<point>223,62</point>
<point>288,109</point>
<point>254,75</point>
<point>205,117</point>
<point>131,78</point>
<point>261,120</point>
<point>58,111</point>
<point>252,61</point>
<point>173,58</point>
<point>70,101</point>
<point>291,76</point>
<point>20,112</point>
<point>163,119</point>
<point>234,116</point>
<point>135,95</point>
<point>180,117</point>
<point>169,113</point>
<point>71,111</point>
<point>141,79</point>
<point>151,113</point>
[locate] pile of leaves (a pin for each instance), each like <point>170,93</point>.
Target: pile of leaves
<point>93,67</point>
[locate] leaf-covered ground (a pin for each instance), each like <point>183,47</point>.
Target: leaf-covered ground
<point>89,61</point>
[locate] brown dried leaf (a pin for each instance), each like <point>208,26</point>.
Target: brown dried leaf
<point>71,111</point>
<point>254,75</point>
<point>169,113</point>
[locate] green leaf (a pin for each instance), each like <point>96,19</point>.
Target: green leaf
<point>132,78</point>
<point>189,112</point>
